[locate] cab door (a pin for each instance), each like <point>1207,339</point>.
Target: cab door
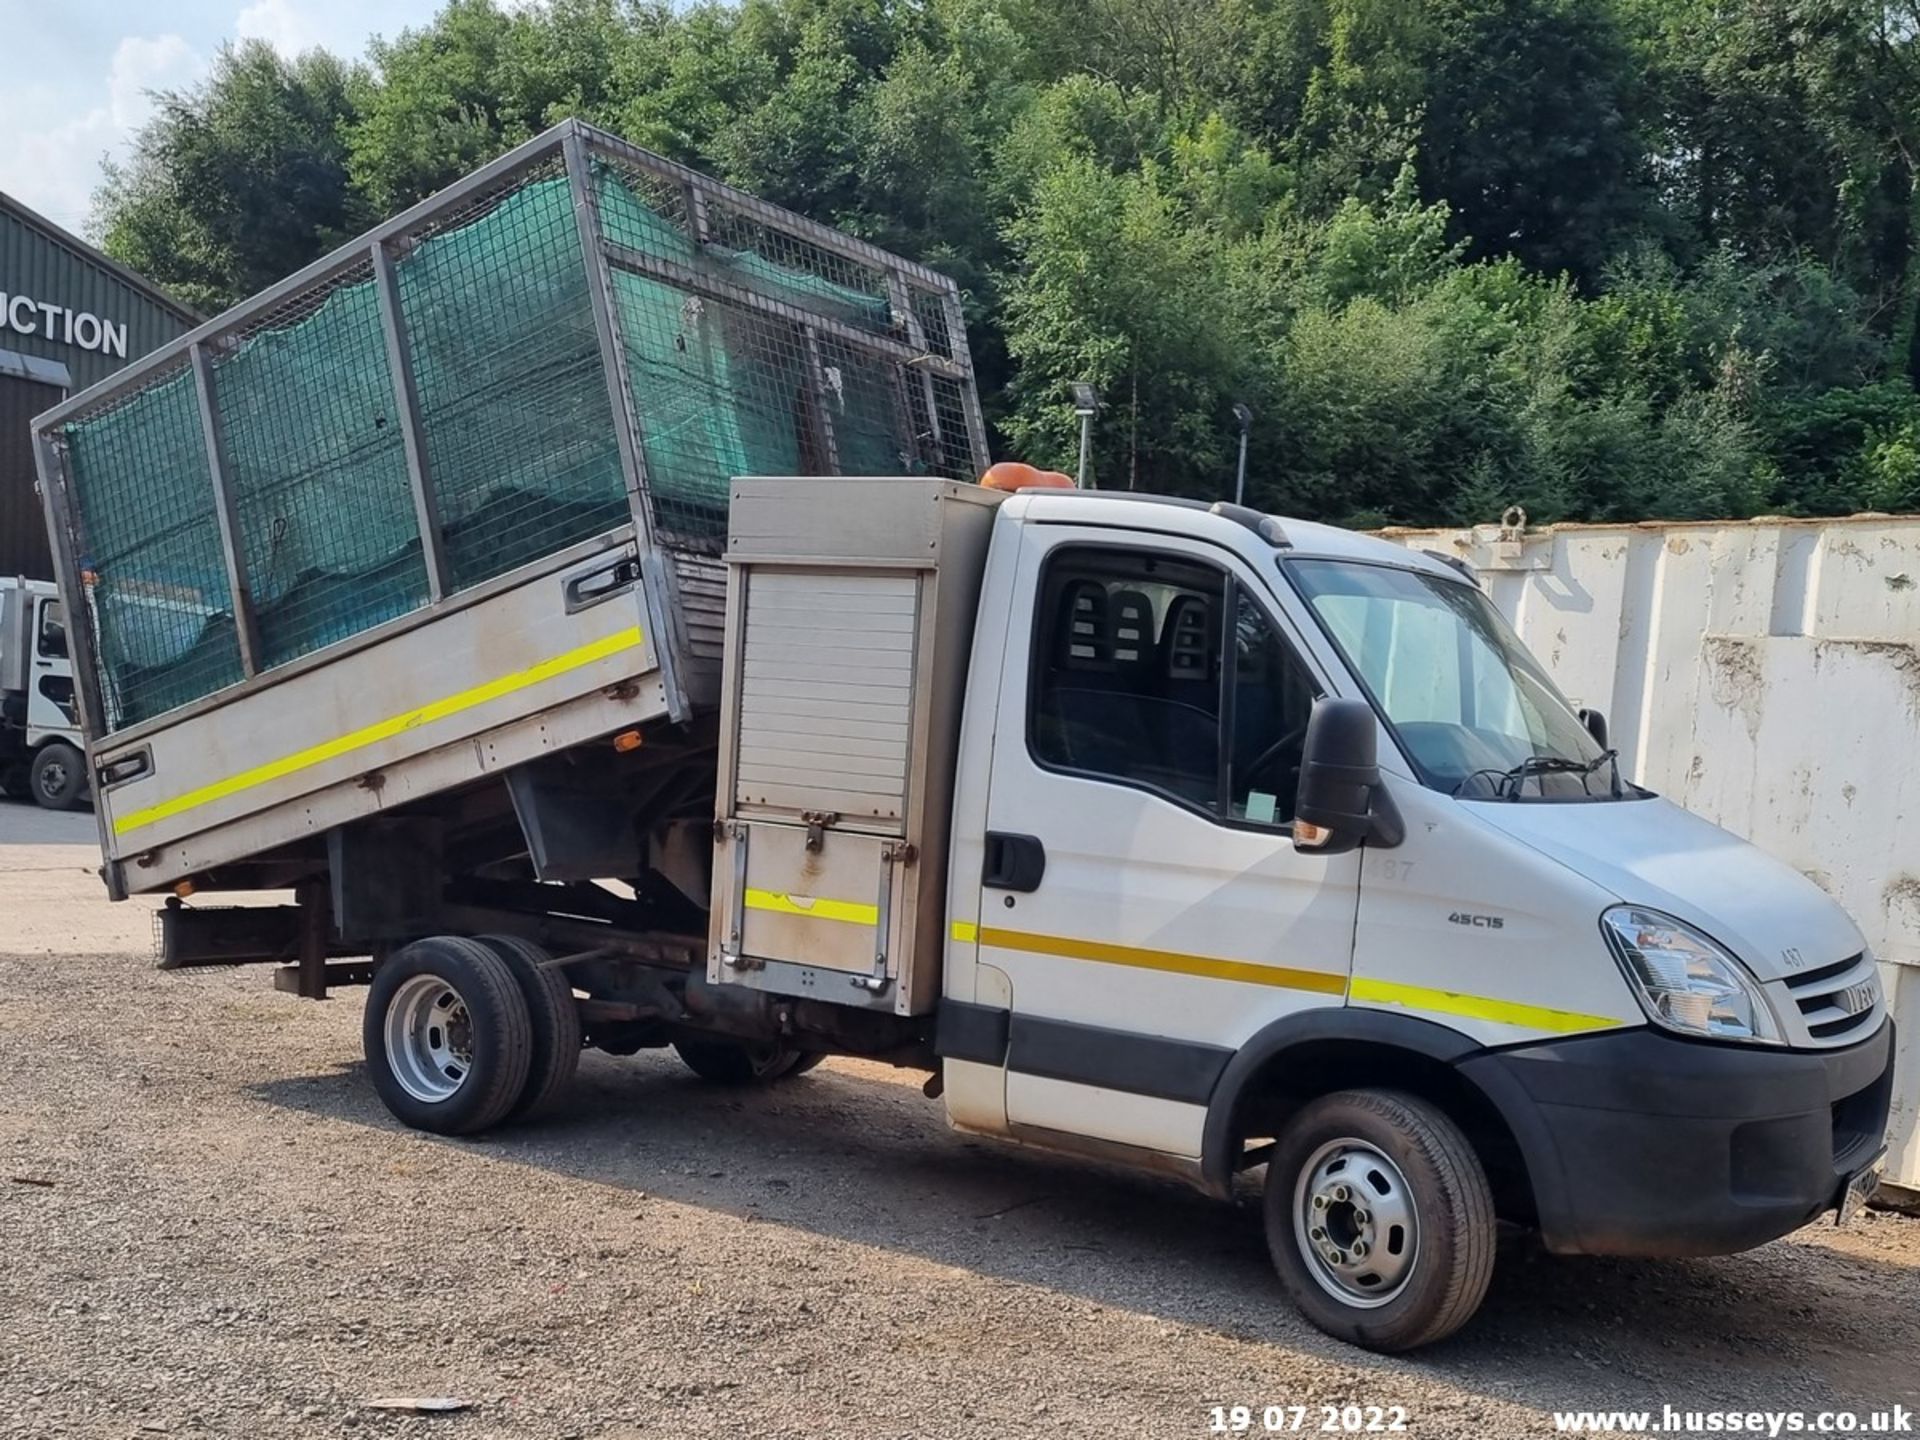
<point>1140,890</point>
<point>50,702</point>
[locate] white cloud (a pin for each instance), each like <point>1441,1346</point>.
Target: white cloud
<point>76,82</point>
<point>142,65</point>
<point>54,168</point>
<point>280,24</point>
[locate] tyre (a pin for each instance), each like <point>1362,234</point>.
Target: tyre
<point>736,1062</point>
<point>58,777</point>
<point>1379,1219</point>
<point>447,1036</point>
<point>555,1022</point>
<point>16,781</point>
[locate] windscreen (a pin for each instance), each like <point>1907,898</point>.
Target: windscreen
<point>1476,713</point>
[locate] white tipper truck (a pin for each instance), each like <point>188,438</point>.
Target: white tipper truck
<point>40,745</point>
<point>1174,835</point>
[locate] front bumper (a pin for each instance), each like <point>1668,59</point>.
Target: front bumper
<point>1642,1143</point>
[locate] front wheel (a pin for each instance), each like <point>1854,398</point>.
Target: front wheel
<point>1379,1219</point>
<point>58,776</point>
<point>447,1036</point>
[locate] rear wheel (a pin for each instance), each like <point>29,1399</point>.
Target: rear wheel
<point>737,1062</point>
<point>555,1022</point>
<point>16,781</point>
<point>1379,1219</point>
<point>447,1035</point>
<point>59,776</point>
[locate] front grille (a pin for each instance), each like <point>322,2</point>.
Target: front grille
<point>1838,1002</point>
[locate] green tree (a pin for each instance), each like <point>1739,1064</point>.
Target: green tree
<point>1112,286</point>
<point>448,97</point>
<point>238,181</point>
<point>1608,258</point>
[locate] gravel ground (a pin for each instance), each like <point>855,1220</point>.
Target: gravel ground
<point>235,1239</point>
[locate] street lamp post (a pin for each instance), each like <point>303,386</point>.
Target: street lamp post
<point>1244,415</point>
<point>1086,404</point>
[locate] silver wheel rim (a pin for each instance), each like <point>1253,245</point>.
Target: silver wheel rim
<point>1355,1223</point>
<point>429,1038</point>
<point>53,778</point>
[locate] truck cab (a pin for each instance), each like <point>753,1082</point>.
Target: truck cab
<point>1510,982</point>
<point>40,745</point>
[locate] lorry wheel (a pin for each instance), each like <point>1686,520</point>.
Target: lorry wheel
<point>735,1062</point>
<point>1379,1219</point>
<point>16,782</point>
<point>555,1022</point>
<point>59,776</point>
<point>447,1035</point>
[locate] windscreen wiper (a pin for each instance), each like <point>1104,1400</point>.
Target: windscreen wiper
<point>1512,780</point>
<point>1508,782</point>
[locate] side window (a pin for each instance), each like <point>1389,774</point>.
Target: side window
<point>1272,698</point>
<point>1126,670</point>
<point>1157,671</point>
<point>53,631</point>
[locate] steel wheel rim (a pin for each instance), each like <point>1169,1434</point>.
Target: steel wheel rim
<point>53,778</point>
<point>429,1039</point>
<point>1355,1223</point>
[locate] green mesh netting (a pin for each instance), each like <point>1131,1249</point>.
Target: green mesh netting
<point>723,389</point>
<point>318,471</point>
<point>516,426</point>
<point>144,495</point>
<point>514,405</point>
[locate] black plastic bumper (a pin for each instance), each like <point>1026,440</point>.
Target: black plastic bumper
<point>1641,1143</point>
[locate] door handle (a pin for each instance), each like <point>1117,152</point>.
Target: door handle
<point>1013,862</point>
<point>604,581</point>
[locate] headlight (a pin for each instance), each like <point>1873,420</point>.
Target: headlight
<point>1686,981</point>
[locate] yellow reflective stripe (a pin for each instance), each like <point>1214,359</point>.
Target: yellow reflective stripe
<point>613,644</point>
<point>1478,1007</point>
<point>848,912</point>
<point>1319,982</point>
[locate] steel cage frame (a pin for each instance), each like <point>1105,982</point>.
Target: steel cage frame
<point>576,146</point>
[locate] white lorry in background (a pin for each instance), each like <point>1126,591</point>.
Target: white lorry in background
<point>40,746</point>
<point>1177,836</point>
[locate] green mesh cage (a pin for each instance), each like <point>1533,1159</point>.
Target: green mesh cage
<point>318,471</point>
<point>514,407</point>
<point>152,566</point>
<point>744,342</point>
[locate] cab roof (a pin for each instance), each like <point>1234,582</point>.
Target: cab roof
<point>1132,510</point>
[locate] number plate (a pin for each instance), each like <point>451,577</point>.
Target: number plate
<point>1864,1182</point>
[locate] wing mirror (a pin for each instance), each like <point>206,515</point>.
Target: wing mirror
<point>1342,801</point>
<point>1596,723</point>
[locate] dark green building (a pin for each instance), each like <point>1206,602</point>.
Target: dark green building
<point>68,316</point>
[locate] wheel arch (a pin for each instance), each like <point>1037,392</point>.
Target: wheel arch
<point>1314,1053</point>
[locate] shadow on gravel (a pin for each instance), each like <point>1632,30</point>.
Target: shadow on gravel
<point>1787,1327</point>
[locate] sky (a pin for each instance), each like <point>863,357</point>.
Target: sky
<point>79,73</point>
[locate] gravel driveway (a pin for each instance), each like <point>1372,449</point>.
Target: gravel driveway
<point>234,1239</point>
